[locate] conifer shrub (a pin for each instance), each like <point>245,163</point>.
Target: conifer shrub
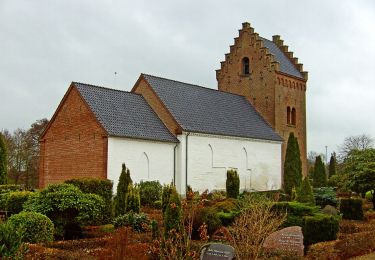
<point>232,184</point>
<point>150,191</point>
<point>132,199</point>
<point>122,189</point>
<point>325,196</point>
<point>15,201</point>
<point>101,187</point>
<point>304,192</point>
<point>209,216</point>
<point>351,208</point>
<point>138,221</point>
<point>173,213</point>
<point>295,212</point>
<point>166,193</point>
<point>35,227</point>
<point>319,227</point>
<point>11,245</point>
<point>155,229</point>
<point>319,175</point>
<point>292,165</point>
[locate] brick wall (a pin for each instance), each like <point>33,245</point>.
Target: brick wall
<point>74,145</point>
<point>143,88</point>
<point>268,90</point>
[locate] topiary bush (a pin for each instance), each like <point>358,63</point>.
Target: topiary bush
<point>295,212</point>
<point>150,191</point>
<point>138,221</point>
<point>351,208</point>
<point>36,227</point>
<point>11,245</point>
<point>15,201</point>
<point>232,184</point>
<point>66,205</point>
<point>325,196</point>
<point>319,228</point>
<point>305,193</point>
<point>101,187</point>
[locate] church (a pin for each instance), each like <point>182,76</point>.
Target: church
<point>185,134</point>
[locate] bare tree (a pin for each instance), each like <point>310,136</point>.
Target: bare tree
<point>358,142</point>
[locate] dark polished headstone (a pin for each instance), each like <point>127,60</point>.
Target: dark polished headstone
<point>216,251</point>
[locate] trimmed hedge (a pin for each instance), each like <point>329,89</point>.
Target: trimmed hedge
<point>295,212</point>
<point>15,201</point>
<point>319,228</point>
<point>35,227</point>
<point>351,209</point>
<point>325,196</point>
<point>9,187</point>
<point>99,187</point>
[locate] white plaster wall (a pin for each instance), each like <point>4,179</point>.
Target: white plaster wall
<point>146,160</point>
<point>258,162</point>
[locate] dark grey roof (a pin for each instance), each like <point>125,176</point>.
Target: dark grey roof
<point>286,66</point>
<point>204,110</point>
<point>124,114</point>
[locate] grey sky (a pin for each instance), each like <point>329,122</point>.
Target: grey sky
<point>44,45</point>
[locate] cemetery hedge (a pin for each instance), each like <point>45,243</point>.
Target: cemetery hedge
<point>351,208</point>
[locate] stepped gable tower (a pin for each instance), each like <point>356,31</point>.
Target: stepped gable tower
<point>272,80</point>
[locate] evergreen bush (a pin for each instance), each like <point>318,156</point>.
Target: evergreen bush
<point>11,245</point>
<point>138,221</point>
<point>66,205</point>
<point>332,166</point>
<point>292,165</point>
<point>122,188</point>
<point>173,213</point>
<point>155,229</point>
<point>295,212</point>
<point>101,187</point>
<point>305,193</point>
<point>325,196</point>
<point>166,193</point>
<point>319,228</point>
<point>232,184</point>
<point>150,191</point>
<point>132,199</point>
<point>351,208</point>
<point>36,227</point>
<point>15,201</point>
<point>319,176</point>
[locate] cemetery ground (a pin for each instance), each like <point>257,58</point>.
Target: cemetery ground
<point>205,218</point>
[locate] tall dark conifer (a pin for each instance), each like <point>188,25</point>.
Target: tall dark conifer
<point>3,161</point>
<point>332,165</point>
<point>122,189</point>
<point>292,165</point>
<point>319,176</point>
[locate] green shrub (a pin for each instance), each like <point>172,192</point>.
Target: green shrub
<point>351,209</point>
<point>325,196</point>
<point>15,201</point>
<point>319,228</point>
<point>3,200</point>
<point>155,229</point>
<point>122,189</point>
<point>138,221</point>
<point>209,216</point>
<point>150,191</point>
<point>157,204</point>
<point>101,187</point>
<point>9,187</point>
<point>132,199</point>
<point>232,184</point>
<point>173,213</point>
<point>66,205</point>
<point>227,218</point>
<point>217,195</point>
<point>305,193</point>
<point>36,227</point>
<point>369,195</point>
<point>11,245</point>
<point>166,193</point>
<point>295,212</point>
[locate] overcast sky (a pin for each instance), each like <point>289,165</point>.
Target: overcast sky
<point>44,45</point>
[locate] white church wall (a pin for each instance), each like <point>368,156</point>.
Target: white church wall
<point>147,160</point>
<point>258,162</point>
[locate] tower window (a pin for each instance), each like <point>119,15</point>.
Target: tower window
<point>246,66</point>
<point>293,116</point>
<point>288,121</point>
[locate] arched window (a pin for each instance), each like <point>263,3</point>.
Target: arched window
<point>246,66</point>
<point>144,171</point>
<point>293,116</point>
<point>288,121</point>
<point>211,156</point>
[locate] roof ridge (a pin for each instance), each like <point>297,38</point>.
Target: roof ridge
<point>106,88</point>
<point>195,85</point>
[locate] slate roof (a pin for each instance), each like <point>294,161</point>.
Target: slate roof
<point>286,66</point>
<point>204,110</point>
<point>124,114</point>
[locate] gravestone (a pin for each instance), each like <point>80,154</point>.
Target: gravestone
<point>216,251</point>
<point>288,239</point>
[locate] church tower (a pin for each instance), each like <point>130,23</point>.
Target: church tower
<point>272,80</point>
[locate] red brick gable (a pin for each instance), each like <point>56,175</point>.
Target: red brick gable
<point>74,144</point>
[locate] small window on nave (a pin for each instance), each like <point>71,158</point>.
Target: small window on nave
<point>246,66</point>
